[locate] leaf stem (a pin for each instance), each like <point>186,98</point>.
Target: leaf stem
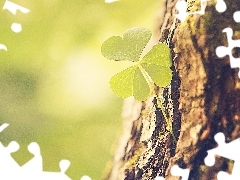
<point>169,124</point>
<point>148,79</point>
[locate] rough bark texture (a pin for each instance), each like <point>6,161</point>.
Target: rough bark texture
<point>203,99</point>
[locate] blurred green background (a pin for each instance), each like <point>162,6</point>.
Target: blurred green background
<point>54,81</point>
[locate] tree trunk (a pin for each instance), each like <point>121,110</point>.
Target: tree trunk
<point>202,99</point>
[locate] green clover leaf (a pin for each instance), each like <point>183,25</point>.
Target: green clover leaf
<point>137,80</point>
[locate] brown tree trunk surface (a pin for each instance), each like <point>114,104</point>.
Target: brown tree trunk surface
<point>202,99</point>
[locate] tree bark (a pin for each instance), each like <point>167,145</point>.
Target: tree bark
<point>202,99</point>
